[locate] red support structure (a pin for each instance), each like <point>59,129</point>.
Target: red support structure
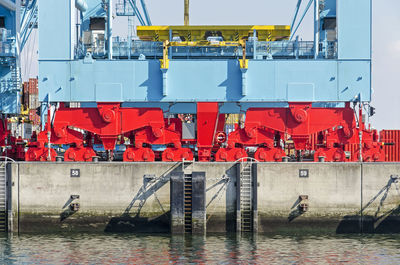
<point>265,127</point>
<point>109,121</point>
<point>330,134</point>
<point>209,124</point>
<point>11,146</point>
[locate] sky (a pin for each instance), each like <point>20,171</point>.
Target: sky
<point>386,39</point>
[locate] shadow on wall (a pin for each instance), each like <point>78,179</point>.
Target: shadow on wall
<point>225,186</point>
<point>381,222</point>
<point>137,224</point>
<point>132,221</point>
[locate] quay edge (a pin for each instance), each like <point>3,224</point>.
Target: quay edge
<point>135,197</point>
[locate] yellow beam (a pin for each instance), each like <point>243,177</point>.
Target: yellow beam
<point>198,33</point>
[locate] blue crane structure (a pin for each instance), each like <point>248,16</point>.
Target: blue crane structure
<point>17,20</point>
<point>206,71</point>
<point>338,70</point>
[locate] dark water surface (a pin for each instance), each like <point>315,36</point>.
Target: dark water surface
<point>218,249</point>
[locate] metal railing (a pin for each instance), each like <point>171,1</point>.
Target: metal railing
<point>7,48</point>
<point>125,49</point>
<point>123,8</point>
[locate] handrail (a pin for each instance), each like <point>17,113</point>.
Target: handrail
<point>7,158</point>
<point>241,160</point>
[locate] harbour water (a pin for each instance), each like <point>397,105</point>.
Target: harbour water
<point>211,249</point>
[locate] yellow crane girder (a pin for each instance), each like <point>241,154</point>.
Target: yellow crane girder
<point>200,33</point>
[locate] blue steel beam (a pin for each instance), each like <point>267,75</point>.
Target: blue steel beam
<point>26,37</point>
<point>81,5</point>
<point>204,80</point>
<point>8,5</point>
<point>29,23</point>
<point>296,13</point>
<point>301,20</point>
<point>137,12</point>
<point>146,14</point>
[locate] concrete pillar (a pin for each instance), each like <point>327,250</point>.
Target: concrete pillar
<point>198,203</point>
<point>177,203</point>
<point>238,213</point>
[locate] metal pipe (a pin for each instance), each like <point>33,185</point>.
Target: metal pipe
<point>301,20</point>
<point>146,14</point>
<point>186,13</point>
<point>295,14</point>
<point>316,29</point>
<point>81,5</point>
<point>109,29</point>
<point>254,44</point>
<point>8,5</point>
<point>137,13</point>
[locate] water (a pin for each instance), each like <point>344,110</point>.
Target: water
<point>218,249</point>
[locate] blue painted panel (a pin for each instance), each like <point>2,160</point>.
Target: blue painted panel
<point>354,79</point>
<point>55,29</point>
<point>108,92</point>
<point>54,81</point>
<point>300,92</point>
<point>86,79</point>
<point>261,78</point>
<point>322,75</point>
<point>148,81</point>
<point>202,80</point>
<point>354,29</point>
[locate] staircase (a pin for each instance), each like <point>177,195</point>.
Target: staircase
<point>246,207</point>
<point>3,198</point>
<point>15,78</point>
<point>188,203</point>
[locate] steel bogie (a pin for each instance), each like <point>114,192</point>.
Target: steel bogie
<point>267,134</point>
<point>84,154</point>
<point>143,154</point>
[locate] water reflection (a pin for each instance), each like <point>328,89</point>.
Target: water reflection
<point>215,249</point>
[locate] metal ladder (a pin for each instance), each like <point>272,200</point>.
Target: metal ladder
<point>188,203</point>
<point>246,205</point>
<point>3,197</point>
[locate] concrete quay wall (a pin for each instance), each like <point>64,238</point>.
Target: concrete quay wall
<point>135,197</point>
